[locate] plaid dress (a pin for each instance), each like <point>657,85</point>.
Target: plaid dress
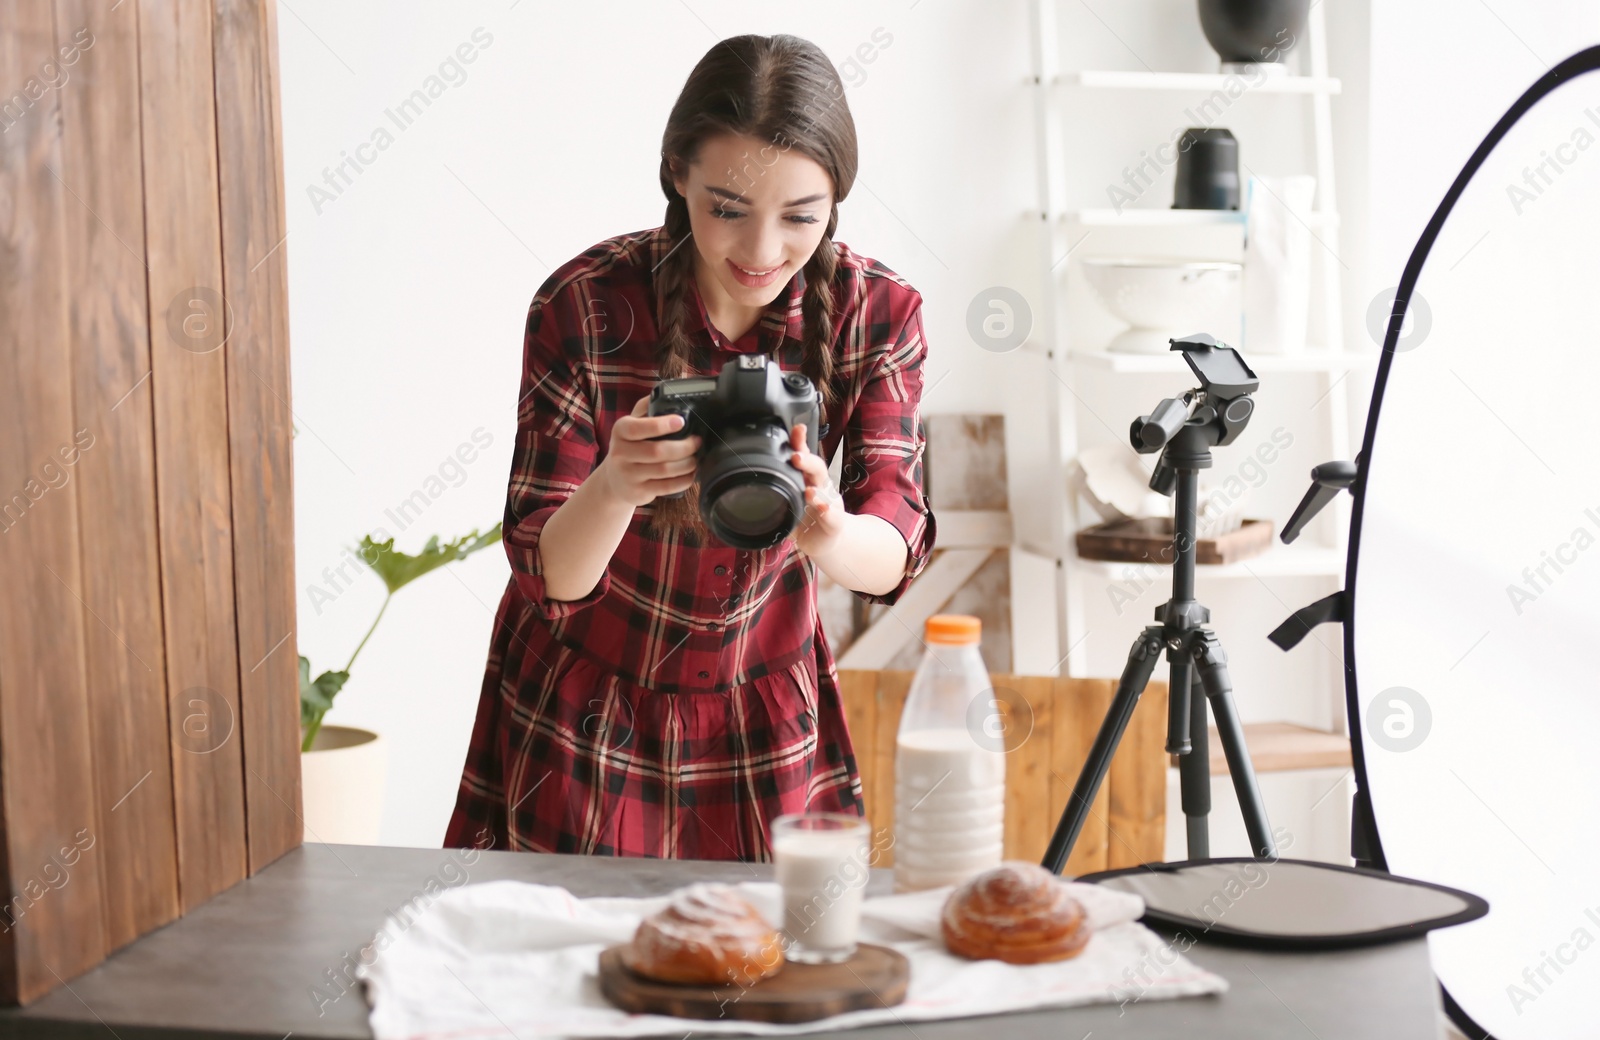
<point>690,697</point>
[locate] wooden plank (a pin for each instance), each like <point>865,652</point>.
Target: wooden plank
<point>986,595</point>
<point>1277,747</point>
<point>965,461</point>
<point>872,976</point>
<point>892,689</point>
<point>50,927</point>
<point>964,477</point>
<point>1137,816</point>
<point>973,529</point>
<point>126,658</point>
<point>965,465</point>
<point>1148,539</point>
<point>903,622</point>
<point>1027,704</point>
<point>260,425</point>
<point>1079,708</point>
<point>188,325</point>
<point>859,691</point>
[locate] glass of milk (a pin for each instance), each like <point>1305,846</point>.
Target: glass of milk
<point>821,863</point>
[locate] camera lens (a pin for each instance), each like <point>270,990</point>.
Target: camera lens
<point>750,496</point>
<point>750,510</point>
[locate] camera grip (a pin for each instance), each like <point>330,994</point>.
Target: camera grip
<point>676,435</point>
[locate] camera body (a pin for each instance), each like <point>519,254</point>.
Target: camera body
<point>751,497</point>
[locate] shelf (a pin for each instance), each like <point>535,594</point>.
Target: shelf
<point>1306,361</point>
<point>1282,747</point>
<point>1145,217</point>
<point>1200,81</point>
<point>1281,561</point>
<point>1153,217</point>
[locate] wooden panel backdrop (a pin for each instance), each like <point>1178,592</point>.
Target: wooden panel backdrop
<point>1049,724</point>
<point>964,477</point>
<point>149,721</point>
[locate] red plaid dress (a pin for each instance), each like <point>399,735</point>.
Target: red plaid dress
<point>690,697</point>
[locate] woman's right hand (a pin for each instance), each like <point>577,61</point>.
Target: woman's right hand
<point>636,469</point>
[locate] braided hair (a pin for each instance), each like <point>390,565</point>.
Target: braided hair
<point>783,90</point>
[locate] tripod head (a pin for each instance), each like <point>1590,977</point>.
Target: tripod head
<point>1185,428</point>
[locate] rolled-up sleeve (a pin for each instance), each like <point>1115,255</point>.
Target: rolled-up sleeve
<point>884,443</point>
<point>556,447</point>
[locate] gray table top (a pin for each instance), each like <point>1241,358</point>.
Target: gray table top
<point>257,960</point>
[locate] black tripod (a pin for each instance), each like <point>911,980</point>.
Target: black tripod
<point>1183,429</point>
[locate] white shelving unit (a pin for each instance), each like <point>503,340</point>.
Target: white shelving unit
<point>1171,217</point>
<point>1285,561</point>
<point>1328,363</point>
<point>1311,361</point>
<point>1194,81</point>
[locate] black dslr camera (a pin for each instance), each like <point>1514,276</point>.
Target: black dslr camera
<point>750,496</point>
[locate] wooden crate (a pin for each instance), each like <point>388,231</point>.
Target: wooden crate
<point>964,477</point>
<point>1049,724</point>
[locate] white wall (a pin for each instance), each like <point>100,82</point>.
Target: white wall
<point>1445,74</point>
<point>408,290</point>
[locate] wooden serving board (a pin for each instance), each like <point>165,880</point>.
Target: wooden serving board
<point>875,977</point>
<point>1148,539</point>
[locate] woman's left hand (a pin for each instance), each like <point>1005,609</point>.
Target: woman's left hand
<point>819,530</point>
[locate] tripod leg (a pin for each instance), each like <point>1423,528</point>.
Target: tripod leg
<point>1213,668</point>
<point>1194,774</point>
<point>1135,674</point>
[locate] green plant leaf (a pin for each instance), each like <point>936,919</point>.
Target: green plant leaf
<point>316,698</point>
<point>398,569</point>
<point>320,694</point>
<point>311,698</point>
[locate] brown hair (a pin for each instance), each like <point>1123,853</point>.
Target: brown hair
<point>783,90</point>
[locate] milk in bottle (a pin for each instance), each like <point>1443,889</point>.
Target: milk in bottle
<point>950,780</point>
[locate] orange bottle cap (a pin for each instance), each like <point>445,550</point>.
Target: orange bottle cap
<point>953,628</point>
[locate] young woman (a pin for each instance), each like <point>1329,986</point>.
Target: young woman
<point>651,691</point>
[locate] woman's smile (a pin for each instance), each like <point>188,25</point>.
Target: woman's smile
<point>755,279</point>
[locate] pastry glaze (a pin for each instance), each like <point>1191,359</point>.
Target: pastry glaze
<point>1018,912</point>
<point>707,933</point>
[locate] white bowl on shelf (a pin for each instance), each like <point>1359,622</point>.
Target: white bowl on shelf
<point>1166,297</point>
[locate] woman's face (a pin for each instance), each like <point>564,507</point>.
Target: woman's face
<point>757,211</point>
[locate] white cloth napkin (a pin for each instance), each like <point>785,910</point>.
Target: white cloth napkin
<point>483,959</point>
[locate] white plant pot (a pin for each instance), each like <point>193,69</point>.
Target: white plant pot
<point>341,784</point>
